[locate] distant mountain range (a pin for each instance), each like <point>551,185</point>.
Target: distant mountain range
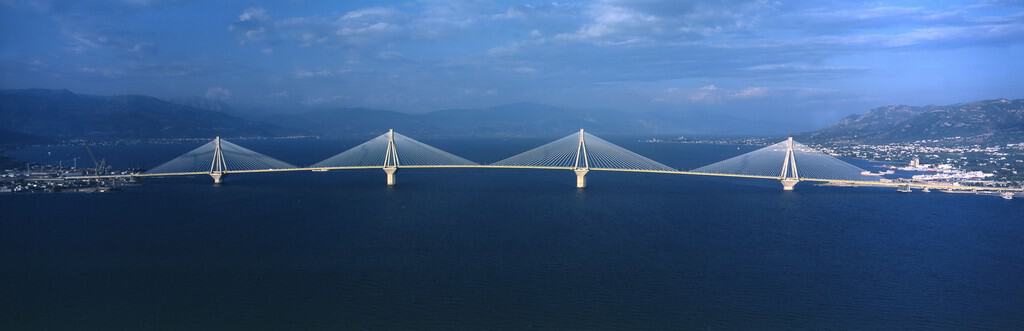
<point>521,119</point>
<point>41,116</point>
<point>61,115</point>
<point>983,122</point>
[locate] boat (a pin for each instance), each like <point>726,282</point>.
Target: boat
<point>925,190</point>
<point>880,173</point>
<point>1007,195</point>
<point>904,189</point>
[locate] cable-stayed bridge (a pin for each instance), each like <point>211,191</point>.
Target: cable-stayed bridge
<point>788,162</point>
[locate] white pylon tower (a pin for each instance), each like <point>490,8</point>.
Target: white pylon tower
<point>391,162</point>
<point>218,166</point>
<point>789,175</point>
<point>582,165</point>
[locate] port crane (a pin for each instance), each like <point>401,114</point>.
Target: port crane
<point>100,164</point>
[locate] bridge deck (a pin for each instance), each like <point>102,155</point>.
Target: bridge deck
<point>580,152</point>
<point>856,183</point>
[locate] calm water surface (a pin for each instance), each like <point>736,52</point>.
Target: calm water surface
<point>502,249</point>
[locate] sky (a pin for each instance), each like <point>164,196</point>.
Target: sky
<point>802,62</point>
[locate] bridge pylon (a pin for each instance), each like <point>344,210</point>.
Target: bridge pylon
<point>789,175</point>
<point>391,162</point>
<point>582,165</point>
<point>218,165</point>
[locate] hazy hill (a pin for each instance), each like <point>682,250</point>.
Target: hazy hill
<point>39,115</point>
<point>203,103</point>
<point>61,114</point>
<point>989,121</point>
<point>521,119</point>
<point>17,138</point>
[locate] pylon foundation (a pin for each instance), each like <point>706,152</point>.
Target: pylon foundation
<point>581,178</point>
<point>788,184</point>
<point>216,177</point>
<point>390,171</point>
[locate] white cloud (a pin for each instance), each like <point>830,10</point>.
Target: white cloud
<point>320,73</point>
<point>606,21</point>
<point>438,19</point>
<point>367,12</point>
<point>525,70</point>
<point>504,50</point>
<point>253,24</point>
<point>363,30</point>
<point>658,23</point>
<point>218,93</point>
<point>479,92</point>
<point>389,55</point>
<point>105,72</point>
<point>801,68</point>
<point>710,93</point>
<point>705,93</point>
<point>751,92</point>
<point>331,99</point>
<point>362,27</point>
<point>279,94</point>
<point>254,14</point>
<point>509,14</point>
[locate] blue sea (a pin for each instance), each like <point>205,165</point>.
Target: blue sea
<point>490,249</point>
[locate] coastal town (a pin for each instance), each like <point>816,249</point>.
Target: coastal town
<point>1000,165</point>
<point>933,161</point>
<point>50,178</point>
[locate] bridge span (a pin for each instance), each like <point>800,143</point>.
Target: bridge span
<point>788,162</point>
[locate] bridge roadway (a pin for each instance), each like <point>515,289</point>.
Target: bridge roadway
<point>855,183</point>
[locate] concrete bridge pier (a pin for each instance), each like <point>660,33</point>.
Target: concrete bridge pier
<point>789,183</point>
<point>581,178</point>
<point>217,177</point>
<point>391,174</point>
<point>218,166</point>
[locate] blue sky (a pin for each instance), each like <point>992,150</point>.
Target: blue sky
<point>805,62</point>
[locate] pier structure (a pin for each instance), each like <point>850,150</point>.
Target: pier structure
<point>581,168</point>
<point>391,158</point>
<point>218,166</point>
<point>790,176</point>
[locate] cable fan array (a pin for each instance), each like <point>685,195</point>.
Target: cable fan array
<point>579,151</point>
